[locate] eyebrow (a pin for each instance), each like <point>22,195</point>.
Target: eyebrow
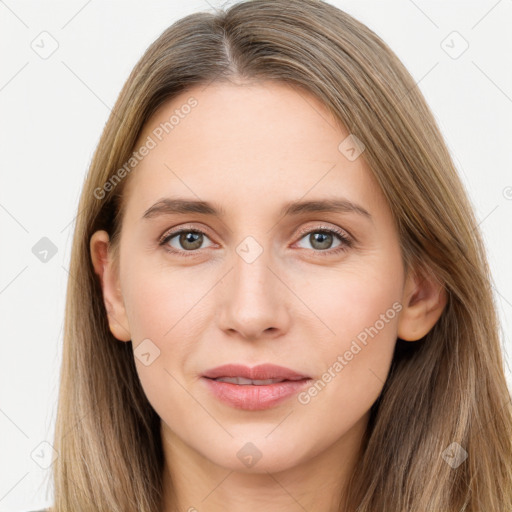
<point>168,206</point>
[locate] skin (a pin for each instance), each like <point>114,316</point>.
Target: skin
<point>251,148</point>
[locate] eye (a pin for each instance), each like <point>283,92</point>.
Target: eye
<point>187,240</point>
<point>322,239</point>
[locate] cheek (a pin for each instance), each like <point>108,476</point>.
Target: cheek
<point>352,299</point>
<point>156,298</point>
<point>362,312</point>
<point>167,312</point>
<point>162,307</point>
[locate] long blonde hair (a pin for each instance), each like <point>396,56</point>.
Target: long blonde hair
<point>447,388</point>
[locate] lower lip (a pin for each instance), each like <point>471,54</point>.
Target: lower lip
<point>255,398</point>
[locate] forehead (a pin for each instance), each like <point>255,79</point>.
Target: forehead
<point>246,144</point>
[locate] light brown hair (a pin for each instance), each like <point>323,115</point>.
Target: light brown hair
<point>447,388</point>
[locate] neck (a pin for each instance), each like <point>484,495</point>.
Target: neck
<point>193,483</point>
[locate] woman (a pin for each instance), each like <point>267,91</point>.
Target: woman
<point>280,298</point>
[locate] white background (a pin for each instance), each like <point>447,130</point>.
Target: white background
<point>53,111</point>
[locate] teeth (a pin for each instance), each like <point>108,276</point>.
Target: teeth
<point>246,382</point>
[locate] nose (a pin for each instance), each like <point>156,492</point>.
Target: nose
<point>254,300</point>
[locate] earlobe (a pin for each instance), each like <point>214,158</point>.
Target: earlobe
<point>424,300</point>
<point>103,266</point>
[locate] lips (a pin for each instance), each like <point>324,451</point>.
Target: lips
<point>254,389</point>
<point>241,381</point>
<point>262,372</point>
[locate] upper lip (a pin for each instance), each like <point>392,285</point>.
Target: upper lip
<point>259,372</point>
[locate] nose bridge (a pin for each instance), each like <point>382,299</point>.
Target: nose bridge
<point>253,297</point>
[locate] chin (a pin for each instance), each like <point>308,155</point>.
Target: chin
<point>257,454</point>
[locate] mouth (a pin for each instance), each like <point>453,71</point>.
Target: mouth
<point>254,389</point>
<point>256,374</point>
<point>241,381</point>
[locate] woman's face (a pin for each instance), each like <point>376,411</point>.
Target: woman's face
<point>255,278</point>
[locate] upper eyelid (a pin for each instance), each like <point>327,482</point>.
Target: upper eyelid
<point>176,230</point>
<point>324,227</point>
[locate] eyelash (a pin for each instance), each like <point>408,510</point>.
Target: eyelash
<point>346,242</point>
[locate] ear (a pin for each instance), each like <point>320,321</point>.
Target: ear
<point>102,261</point>
<point>423,301</point>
